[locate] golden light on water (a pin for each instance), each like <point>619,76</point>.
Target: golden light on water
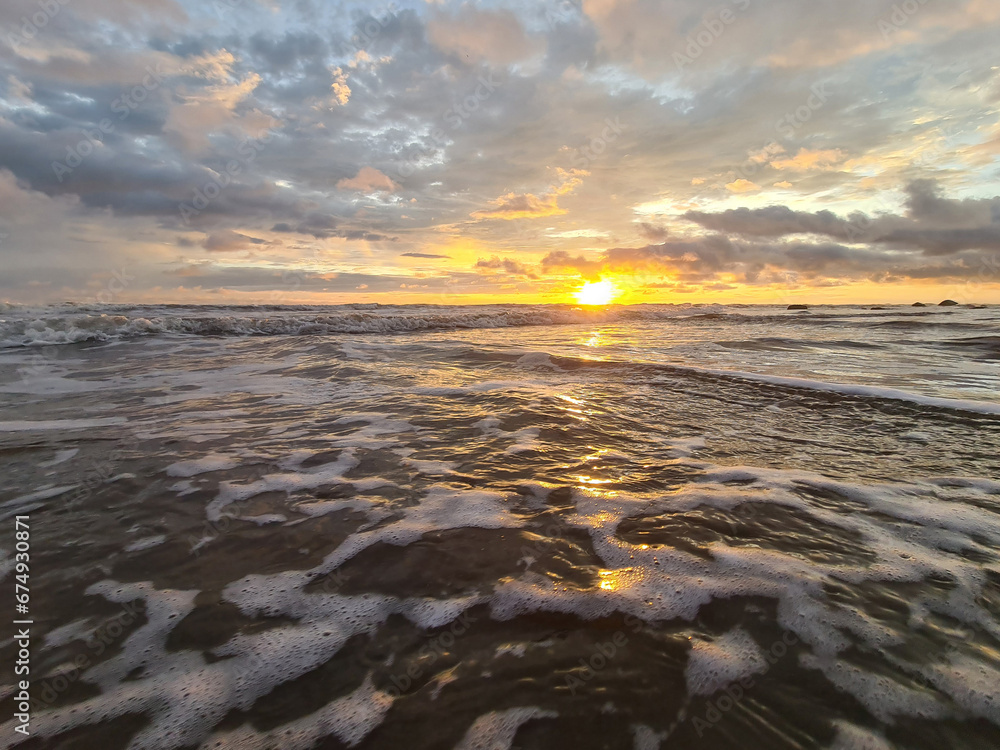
<point>596,293</point>
<point>617,580</point>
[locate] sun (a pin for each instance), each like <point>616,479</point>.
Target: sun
<point>596,293</point>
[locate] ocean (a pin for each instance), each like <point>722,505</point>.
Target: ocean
<point>363,526</point>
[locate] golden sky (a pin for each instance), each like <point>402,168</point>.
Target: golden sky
<point>749,151</point>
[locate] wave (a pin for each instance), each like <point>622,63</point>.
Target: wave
<point>353,319</point>
<point>785,384</point>
<point>70,323</point>
<point>914,325</point>
<point>777,344</point>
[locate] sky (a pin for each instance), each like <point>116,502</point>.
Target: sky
<point>262,151</point>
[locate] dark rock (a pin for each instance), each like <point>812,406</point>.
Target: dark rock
<point>798,307</point>
<point>880,308</point>
<point>919,304</point>
<point>948,303</point>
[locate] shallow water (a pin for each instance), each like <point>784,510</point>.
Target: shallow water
<point>507,527</point>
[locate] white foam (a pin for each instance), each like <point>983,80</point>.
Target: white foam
<point>61,457</point>
<point>645,738</point>
<point>304,479</point>
<point>184,697</point>
<point>850,389</point>
<point>497,729</point>
<point>658,584</point>
<point>712,665</point>
<point>684,447</point>
<point>882,696</point>
<point>442,508</point>
<point>146,543</point>
<point>379,431</point>
<point>369,506</point>
<point>60,424</point>
<point>852,737</point>
<point>525,439</point>
<point>432,468</point>
<point>32,501</point>
<point>207,463</point>
<point>350,719</point>
<point>51,385</point>
<point>974,684</point>
<point>77,630</point>
<point>514,649</point>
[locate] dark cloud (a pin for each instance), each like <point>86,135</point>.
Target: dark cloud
<point>509,265</point>
<point>932,223</point>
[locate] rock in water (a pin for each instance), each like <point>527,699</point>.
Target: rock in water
<point>919,304</point>
<point>948,303</point>
<point>798,307</point>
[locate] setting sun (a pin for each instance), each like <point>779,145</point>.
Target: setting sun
<point>596,293</point>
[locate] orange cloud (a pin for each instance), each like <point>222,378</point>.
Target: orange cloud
<point>742,186</point>
<point>368,180</point>
<point>530,206</point>
<point>806,159</point>
<point>479,34</point>
<point>341,91</point>
<point>521,206</point>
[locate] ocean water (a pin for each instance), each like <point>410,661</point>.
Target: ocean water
<point>505,527</point>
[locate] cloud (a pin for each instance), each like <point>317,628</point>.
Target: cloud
<point>354,105</point>
<point>521,206</point>
<point>506,264</point>
<point>228,240</point>
<point>652,231</point>
<point>741,185</point>
<point>529,206</point>
<point>805,160</point>
<point>424,255</point>
<point>561,261</point>
<point>473,34</point>
<point>368,180</point>
<point>648,35</point>
<point>200,109</point>
<point>341,91</point>
<point>931,223</point>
